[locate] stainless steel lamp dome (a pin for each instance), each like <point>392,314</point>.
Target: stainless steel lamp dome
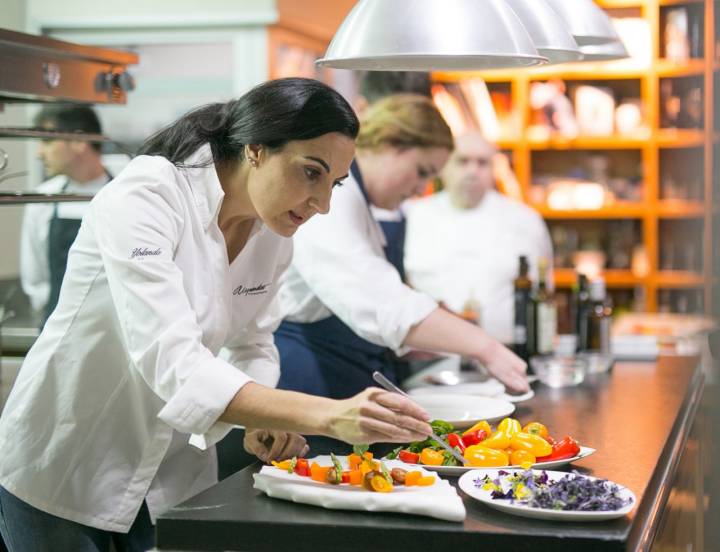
<point>547,31</point>
<point>426,35</point>
<point>587,22</point>
<point>604,52</point>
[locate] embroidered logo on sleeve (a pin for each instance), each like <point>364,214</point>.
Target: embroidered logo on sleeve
<point>259,289</point>
<point>145,252</point>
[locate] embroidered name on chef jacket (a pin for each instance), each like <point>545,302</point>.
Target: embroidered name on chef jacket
<point>259,289</point>
<point>145,252</point>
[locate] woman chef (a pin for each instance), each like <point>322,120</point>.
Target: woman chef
<point>345,303</point>
<point>177,258</point>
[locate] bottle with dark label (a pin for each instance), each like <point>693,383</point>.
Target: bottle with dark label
<point>598,320</point>
<point>581,305</point>
<point>521,326</point>
<point>544,315</point>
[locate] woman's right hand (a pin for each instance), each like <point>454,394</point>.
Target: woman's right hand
<point>375,415</point>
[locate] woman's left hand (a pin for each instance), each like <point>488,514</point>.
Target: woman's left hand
<point>270,445</point>
<point>506,366</point>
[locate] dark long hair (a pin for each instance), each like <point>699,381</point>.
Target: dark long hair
<point>271,114</point>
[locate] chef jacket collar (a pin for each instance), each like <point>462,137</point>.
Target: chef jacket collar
<point>207,190</point>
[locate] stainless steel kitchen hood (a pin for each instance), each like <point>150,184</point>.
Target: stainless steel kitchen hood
<point>41,69</point>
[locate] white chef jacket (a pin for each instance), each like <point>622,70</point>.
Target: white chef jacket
<point>457,254</point>
<point>339,267</point>
<point>127,366</point>
<point>34,266</point>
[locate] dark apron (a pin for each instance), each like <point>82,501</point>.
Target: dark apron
<point>327,358</point>
<point>61,235</point>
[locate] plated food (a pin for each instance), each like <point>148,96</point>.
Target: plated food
<point>549,495</point>
<point>509,445</point>
<point>358,469</point>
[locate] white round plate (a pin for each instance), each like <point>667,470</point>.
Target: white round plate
<point>467,484</point>
<point>457,471</point>
<point>462,411</point>
<point>489,388</point>
<point>516,398</point>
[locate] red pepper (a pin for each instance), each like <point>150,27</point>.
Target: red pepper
<point>567,448</point>
<point>409,457</point>
<point>454,440</point>
<point>302,467</point>
<point>474,437</point>
<point>346,477</point>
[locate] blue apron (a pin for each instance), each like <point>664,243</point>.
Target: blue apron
<point>61,235</point>
<point>328,358</point>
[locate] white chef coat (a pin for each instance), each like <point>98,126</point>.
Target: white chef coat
<point>34,266</point>
<point>339,267</point>
<point>127,366</point>
<point>457,254</point>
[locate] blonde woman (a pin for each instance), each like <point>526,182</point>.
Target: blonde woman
<point>346,306</point>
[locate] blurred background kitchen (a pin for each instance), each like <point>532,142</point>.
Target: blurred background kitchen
<point>619,157</point>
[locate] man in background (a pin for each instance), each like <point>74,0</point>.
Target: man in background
<point>463,244</point>
<point>49,229</point>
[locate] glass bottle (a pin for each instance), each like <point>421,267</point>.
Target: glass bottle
<point>598,319</point>
<point>581,306</point>
<point>522,286</point>
<point>544,314</point>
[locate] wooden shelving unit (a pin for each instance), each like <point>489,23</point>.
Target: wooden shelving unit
<point>654,212</point>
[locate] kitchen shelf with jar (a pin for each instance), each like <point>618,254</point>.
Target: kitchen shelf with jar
<point>623,210</point>
<point>623,141</point>
<point>675,208</point>
<point>683,138</point>
<point>679,279</point>
<point>670,122</point>
<point>567,277</point>
<point>694,67</point>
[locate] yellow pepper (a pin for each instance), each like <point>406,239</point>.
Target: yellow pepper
<point>284,465</point>
<point>510,426</point>
<point>520,457</point>
<point>480,456</point>
<point>536,428</point>
<point>534,444</point>
<point>479,426</point>
<point>498,440</point>
<point>379,484</point>
<point>431,457</point>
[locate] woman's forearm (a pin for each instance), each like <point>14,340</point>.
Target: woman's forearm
<point>371,416</point>
<point>445,332</point>
<point>276,409</point>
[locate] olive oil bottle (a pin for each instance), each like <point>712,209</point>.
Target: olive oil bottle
<point>544,315</point>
